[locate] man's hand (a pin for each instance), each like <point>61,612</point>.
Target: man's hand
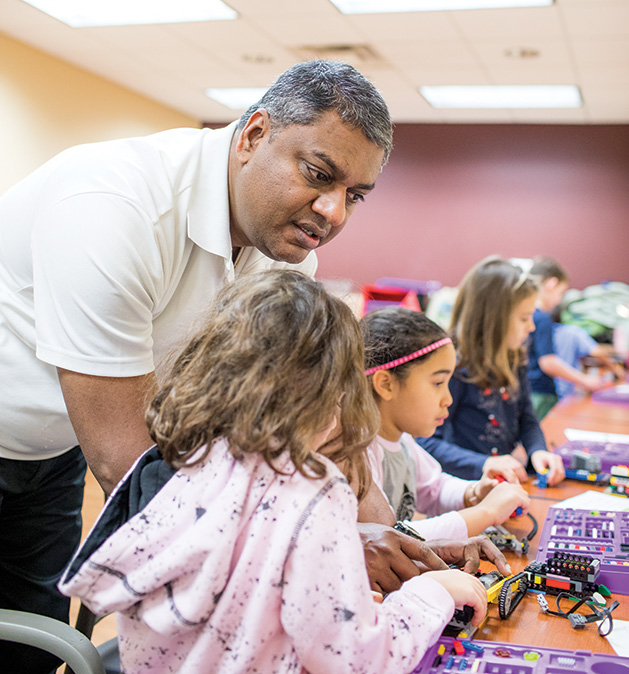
<point>392,557</point>
<point>467,553</point>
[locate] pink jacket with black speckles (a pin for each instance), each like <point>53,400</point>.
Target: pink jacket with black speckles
<point>231,567</point>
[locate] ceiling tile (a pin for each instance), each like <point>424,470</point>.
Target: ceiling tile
<point>600,20</point>
<point>419,26</point>
<point>593,78</point>
<point>446,54</point>
<point>427,74</point>
<point>601,53</point>
<point>509,24</point>
<point>309,29</point>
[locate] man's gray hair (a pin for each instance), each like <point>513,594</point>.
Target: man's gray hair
<point>307,90</point>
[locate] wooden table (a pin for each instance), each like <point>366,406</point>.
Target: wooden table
<point>585,414</point>
<point>528,625</point>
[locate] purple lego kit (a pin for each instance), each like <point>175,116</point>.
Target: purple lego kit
<point>595,457</point>
<point>602,535</point>
<point>618,395</point>
<point>495,657</point>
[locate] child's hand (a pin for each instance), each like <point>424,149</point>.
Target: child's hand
<point>507,466</point>
<point>542,460</point>
<point>485,485</point>
<point>502,501</point>
<point>591,383</point>
<point>466,590</point>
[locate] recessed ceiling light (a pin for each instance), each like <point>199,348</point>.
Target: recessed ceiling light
<point>82,13</point>
<point>386,6</point>
<point>236,99</point>
<point>503,96</point>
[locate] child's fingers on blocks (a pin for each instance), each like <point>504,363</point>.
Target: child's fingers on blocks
<point>555,474</point>
<point>478,601</point>
<point>551,462</point>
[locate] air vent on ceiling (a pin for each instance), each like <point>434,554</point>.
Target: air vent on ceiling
<point>521,53</point>
<point>358,55</point>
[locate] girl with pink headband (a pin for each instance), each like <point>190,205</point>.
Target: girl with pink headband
<point>409,362</point>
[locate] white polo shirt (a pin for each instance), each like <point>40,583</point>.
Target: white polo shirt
<point>110,254</point>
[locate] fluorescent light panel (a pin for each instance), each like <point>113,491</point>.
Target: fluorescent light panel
<point>83,13</point>
<point>236,99</point>
<point>391,6</point>
<point>507,96</point>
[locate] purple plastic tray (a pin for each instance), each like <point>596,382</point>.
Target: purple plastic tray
<point>610,453</point>
<point>600,534</point>
<point>549,660</point>
<point>419,287</point>
<point>616,394</point>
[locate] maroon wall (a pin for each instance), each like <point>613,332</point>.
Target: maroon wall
<point>452,194</point>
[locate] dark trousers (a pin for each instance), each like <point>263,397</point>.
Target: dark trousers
<point>40,529</point>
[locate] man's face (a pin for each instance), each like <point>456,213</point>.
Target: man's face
<point>293,190</point>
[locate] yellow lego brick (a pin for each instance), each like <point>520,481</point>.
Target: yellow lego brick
<point>494,591</point>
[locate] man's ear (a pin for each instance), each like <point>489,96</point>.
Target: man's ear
<point>256,128</point>
<point>550,283</point>
<point>384,384</point>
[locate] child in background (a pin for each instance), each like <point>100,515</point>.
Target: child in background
<point>491,413</point>
<point>572,343</point>
<point>544,363</point>
<point>248,559</point>
<point>409,363</point>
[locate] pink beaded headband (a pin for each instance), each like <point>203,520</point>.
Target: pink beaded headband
<point>411,356</point>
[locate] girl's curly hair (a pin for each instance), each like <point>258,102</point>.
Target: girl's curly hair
<point>267,373</point>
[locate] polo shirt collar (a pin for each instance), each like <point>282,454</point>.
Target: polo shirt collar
<point>208,213</point>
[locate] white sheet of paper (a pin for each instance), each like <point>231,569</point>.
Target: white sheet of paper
<point>594,436</point>
<point>594,500</point>
<point>619,638</point>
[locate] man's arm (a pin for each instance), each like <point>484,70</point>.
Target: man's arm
<point>390,556</point>
<point>107,414</point>
<point>374,507</point>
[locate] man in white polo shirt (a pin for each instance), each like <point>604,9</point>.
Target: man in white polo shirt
<point>109,255</point>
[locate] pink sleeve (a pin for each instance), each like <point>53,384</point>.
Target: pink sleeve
<point>448,525</point>
<point>327,609</point>
<point>437,492</point>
